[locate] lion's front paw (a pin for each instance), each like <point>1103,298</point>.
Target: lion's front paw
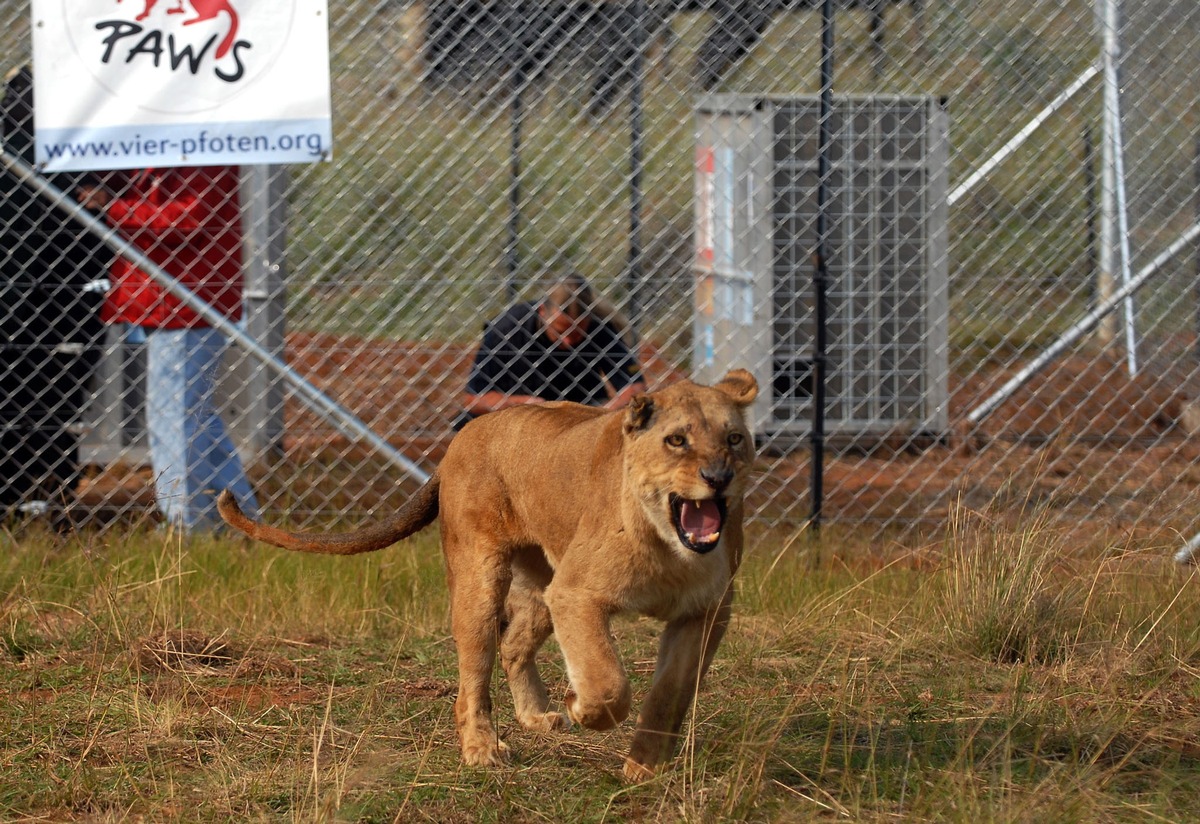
<point>635,772</point>
<point>489,754</point>
<point>601,715</point>
<point>571,702</point>
<point>546,722</point>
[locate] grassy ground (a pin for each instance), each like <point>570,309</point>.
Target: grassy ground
<point>1001,676</point>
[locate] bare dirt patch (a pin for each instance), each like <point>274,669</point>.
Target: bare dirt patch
<point>259,697</point>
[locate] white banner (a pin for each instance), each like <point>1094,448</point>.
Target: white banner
<point>122,84</point>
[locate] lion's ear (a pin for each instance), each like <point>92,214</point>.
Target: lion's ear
<point>740,386</point>
<point>638,413</point>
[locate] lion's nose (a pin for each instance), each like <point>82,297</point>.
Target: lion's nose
<point>717,477</point>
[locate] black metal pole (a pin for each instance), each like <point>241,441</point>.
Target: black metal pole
<point>1196,207</point>
<point>636,149</point>
<point>512,252</point>
<point>1092,211</point>
<point>821,270</point>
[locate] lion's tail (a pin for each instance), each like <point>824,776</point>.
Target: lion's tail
<point>417,513</point>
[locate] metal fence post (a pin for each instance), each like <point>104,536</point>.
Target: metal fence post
<point>256,396</point>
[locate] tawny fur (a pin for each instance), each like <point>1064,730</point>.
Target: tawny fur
<point>554,519</point>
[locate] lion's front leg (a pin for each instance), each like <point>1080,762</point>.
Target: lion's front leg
<point>684,653</point>
<point>600,696</point>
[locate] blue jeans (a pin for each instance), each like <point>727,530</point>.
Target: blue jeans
<point>191,453</point>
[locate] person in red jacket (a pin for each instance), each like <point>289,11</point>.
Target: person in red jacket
<point>186,220</point>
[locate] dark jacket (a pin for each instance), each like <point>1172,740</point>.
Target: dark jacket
<point>518,358</point>
<point>51,268</point>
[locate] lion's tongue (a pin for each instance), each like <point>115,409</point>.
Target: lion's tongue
<point>700,518</point>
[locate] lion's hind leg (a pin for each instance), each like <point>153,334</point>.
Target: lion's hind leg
<point>478,586</point>
<point>529,626</point>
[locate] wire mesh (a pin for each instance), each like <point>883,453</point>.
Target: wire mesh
<point>482,147</point>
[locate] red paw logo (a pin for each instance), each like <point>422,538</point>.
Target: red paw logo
<point>177,57</point>
<point>203,11</point>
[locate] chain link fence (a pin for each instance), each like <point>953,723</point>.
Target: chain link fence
<point>1012,306</point>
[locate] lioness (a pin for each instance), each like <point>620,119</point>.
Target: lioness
<point>553,519</point>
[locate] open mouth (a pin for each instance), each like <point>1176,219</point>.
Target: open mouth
<point>698,523</point>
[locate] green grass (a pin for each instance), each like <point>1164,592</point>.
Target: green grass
<point>1007,674</point>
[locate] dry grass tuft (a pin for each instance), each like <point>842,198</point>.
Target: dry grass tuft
<point>1010,599</point>
<point>184,651</point>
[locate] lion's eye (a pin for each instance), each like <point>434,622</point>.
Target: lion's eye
<point>676,440</point>
<point>735,439</point>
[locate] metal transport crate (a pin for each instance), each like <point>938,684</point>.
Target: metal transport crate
<point>756,235</point>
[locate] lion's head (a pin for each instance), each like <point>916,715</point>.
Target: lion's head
<point>688,452</point>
